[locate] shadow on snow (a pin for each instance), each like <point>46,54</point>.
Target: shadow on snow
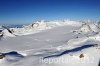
<point>72,50</point>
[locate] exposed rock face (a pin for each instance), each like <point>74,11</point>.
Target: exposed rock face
<point>2,56</point>
<point>81,56</point>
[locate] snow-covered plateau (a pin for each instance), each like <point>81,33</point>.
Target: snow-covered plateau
<point>53,43</point>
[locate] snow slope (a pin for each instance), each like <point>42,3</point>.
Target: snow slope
<point>35,27</point>
<point>66,44</point>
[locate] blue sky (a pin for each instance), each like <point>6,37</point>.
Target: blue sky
<point>25,11</point>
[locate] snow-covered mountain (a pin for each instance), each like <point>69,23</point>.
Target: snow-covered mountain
<point>53,43</point>
<point>35,27</point>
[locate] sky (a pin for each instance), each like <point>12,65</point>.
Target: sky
<point>26,11</point>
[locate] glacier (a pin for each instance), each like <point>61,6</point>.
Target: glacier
<point>53,43</point>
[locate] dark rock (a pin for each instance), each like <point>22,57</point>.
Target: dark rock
<point>81,55</point>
